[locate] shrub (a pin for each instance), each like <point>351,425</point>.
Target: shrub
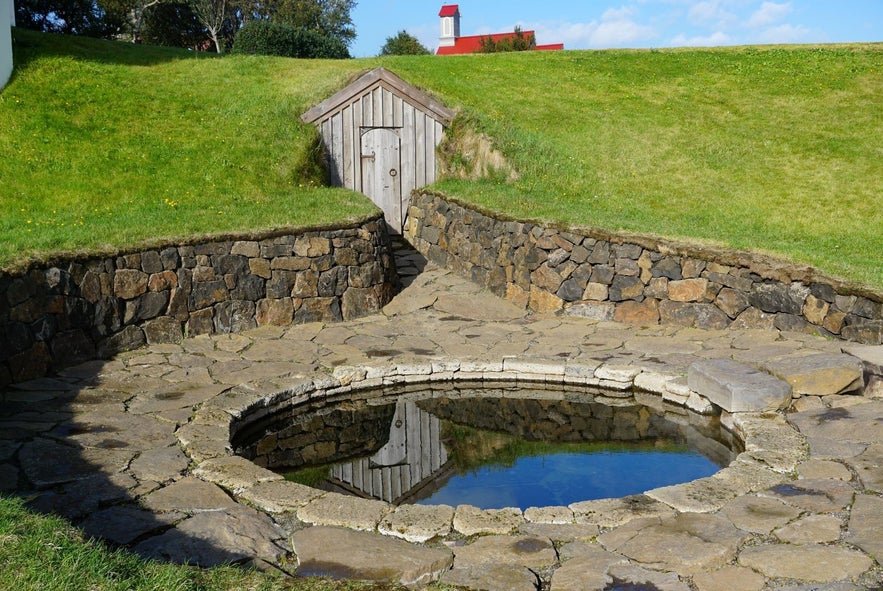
<point>265,38</point>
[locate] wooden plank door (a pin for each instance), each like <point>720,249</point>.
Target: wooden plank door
<point>381,173</point>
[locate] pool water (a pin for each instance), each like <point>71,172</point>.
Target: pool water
<point>494,451</point>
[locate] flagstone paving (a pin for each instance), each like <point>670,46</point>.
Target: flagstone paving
<point>136,451</point>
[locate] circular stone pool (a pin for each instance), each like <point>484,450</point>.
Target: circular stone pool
<point>490,446</point>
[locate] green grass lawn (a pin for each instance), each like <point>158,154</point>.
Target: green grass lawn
<point>772,149</point>
<point>44,553</point>
<point>104,145</point>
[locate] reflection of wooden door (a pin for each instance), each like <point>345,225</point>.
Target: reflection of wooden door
<point>381,173</point>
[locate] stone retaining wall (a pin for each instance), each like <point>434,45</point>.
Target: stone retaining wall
<point>80,309</point>
<point>637,279</point>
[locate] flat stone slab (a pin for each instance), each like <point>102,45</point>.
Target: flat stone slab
<point>47,462</point>
<point>491,577</point>
<point>585,566</point>
<point>236,535</point>
<point>819,375</point>
<point>335,509</point>
<point>811,562</point>
<point>345,554</point>
<point>560,533</point>
<point>866,525</point>
<point>280,496</point>
<point>124,524</point>
<point>627,576</point>
<point>470,521</point>
<point>813,529</point>
<point>160,464</point>
<point>188,494</point>
<point>528,551</point>
<point>478,307</point>
<point>418,523</point>
<point>234,472</point>
<point>736,387</point>
<point>687,544</point>
<point>759,515</point>
<point>729,578</point>
<point>615,512</point>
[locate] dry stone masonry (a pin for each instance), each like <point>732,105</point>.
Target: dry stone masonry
<point>80,309</point>
<point>635,279</point>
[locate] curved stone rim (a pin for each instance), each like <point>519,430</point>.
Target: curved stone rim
<point>773,448</point>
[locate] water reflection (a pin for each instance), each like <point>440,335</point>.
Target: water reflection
<point>491,448</point>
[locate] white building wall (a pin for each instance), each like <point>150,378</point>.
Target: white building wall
<point>7,18</point>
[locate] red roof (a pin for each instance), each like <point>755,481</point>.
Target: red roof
<point>472,44</point>
<point>449,10</point>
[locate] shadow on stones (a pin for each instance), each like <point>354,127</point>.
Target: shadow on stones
<point>67,447</point>
<point>833,414</point>
<point>618,585</point>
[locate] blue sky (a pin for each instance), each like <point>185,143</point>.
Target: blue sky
<point>599,24</point>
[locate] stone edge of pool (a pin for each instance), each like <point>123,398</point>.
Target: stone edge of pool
<point>773,448</point>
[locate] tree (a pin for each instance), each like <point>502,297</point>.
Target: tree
<point>70,17</point>
<point>403,44</point>
<point>212,14</point>
<point>265,38</point>
<point>329,17</point>
<point>517,42</point>
<point>172,24</point>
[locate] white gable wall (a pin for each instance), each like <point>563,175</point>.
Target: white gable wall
<point>7,18</point>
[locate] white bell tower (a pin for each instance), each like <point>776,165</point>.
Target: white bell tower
<point>450,25</point>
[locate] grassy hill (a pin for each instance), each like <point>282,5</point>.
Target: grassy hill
<point>775,149</point>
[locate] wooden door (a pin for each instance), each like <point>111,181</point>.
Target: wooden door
<point>381,173</point>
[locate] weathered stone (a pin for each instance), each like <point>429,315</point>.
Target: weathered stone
<point>344,554</point>
<point>478,307</point>
<point>344,511</point>
<point>160,464</point>
<point>585,567</point>
<point>687,290</point>
<point>418,523</point>
<point>527,551</point>
<point>560,532</point>
<point>46,462</point>
<point>820,496</point>
<point>625,288</point>
<point>757,514</point>
<point>543,301</point>
<point>616,512</point>
<point>752,318</point>
<point>163,330</point>
<point>190,495</point>
<point>687,544</point>
<point>812,529</point>
<point>571,290</point>
<point>823,469</point>
<point>595,291</point>
<point>470,521</point>
<point>275,312</point>
<point>644,313</point>
<point>233,473</point>
<point>736,387</point>
<point>358,302</point>
<point>129,283</point>
<point>318,310</point>
<point>491,577</point>
<point>698,315</point>
<point>731,302</point>
<point>600,311</point>
<point>729,578</point>
<point>131,337</point>
<point>237,534</point>
<point>810,562</point>
<point>865,525</point>
<point>869,332</point>
<point>124,524</point>
<point>819,375</point>
<point>280,496</point>
<point>815,310</point>
<point>779,298</point>
<point>560,515</point>
<point>667,267</point>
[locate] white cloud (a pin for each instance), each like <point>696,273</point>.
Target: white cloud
<point>769,13</point>
<point>715,39</point>
<point>617,27</point>
<point>786,34</point>
<point>711,12</point>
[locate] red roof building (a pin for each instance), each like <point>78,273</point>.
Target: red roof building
<point>451,43</point>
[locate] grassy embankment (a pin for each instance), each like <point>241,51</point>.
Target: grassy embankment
<point>104,145</point>
<point>771,149</point>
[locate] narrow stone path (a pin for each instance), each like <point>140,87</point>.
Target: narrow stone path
<point>132,450</point>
